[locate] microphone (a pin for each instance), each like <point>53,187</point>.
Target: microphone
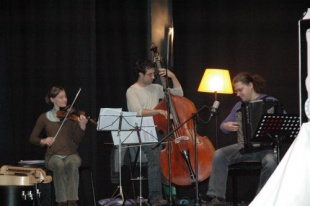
<point>213,109</point>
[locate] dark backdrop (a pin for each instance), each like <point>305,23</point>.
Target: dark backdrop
<point>256,36</point>
<point>93,44</point>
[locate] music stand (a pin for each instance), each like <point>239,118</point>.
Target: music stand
<point>116,120</point>
<point>274,128</point>
<point>143,133</point>
<point>146,134</point>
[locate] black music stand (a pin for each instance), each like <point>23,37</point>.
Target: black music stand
<point>146,134</point>
<point>116,120</point>
<point>273,129</point>
<point>143,133</point>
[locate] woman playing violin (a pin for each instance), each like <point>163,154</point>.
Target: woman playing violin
<point>61,156</point>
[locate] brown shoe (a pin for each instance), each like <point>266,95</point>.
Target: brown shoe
<point>62,203</point>
<point>72,203</point>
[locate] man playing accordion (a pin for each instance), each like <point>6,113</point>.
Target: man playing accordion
<point>250,88</point>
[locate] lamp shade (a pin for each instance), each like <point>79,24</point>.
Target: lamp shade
<point>216,80</point>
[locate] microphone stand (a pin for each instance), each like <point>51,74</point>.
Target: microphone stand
<point>196,153</point>
<point>196,161</point>
<point>209,120</point>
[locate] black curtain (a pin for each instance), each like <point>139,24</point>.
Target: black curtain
<point>121,39</point>
<point>50,44</point>
<point>90,45</point>
<point>260,37</point>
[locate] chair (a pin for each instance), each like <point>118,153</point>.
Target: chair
<point>87,184</point>
<point>250,167</point>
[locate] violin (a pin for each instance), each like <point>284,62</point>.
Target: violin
<point>72,114</point>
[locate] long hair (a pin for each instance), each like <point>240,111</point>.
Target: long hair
<point>258,81</point>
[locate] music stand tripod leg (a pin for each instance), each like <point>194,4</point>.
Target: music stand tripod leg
<point>140,198</point>
<point>113,122</point>
<point>119,188</point>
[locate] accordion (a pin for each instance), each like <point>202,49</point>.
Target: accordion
<point>249,117</point>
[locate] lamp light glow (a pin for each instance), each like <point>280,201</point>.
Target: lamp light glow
<point>216,81</point>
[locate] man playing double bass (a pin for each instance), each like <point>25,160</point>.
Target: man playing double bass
<point>142,97</point>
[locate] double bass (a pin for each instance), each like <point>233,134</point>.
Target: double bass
<point>182,146</point>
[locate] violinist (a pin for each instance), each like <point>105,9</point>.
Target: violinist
<point>61,156</point>
<point>142,97</point>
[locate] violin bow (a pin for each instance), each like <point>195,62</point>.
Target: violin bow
<point>66,117</point>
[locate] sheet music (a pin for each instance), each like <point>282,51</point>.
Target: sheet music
<point>147,132</point>
<point>109,119</point>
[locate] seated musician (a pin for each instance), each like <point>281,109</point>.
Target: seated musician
<point>142,97</point>
<point>61,155</point>
<point>248,87</point>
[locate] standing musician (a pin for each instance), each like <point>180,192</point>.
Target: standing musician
<point>142,97</point>
<point>248,87</point>
<point>61,156</point>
